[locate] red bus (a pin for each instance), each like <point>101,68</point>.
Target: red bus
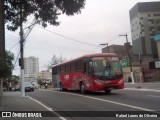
<point>94,72</point>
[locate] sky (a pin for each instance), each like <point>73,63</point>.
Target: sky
<point>101,21</point>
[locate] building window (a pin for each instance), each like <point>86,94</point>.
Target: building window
<point>151,20</point>
<point>141,18</point>
<point>158,28</point>
<point>151,28</point>
<point>156,14</point>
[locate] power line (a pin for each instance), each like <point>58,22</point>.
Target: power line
<point>68,37</point>
<point>17,59</point>
<point>11,34</point>
<point>14,46</point>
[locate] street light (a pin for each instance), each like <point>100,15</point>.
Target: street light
<point>129,57</point>
<point>107,46</point>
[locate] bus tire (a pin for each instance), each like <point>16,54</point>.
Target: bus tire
<point>107,91</point>
<point>82,88</point>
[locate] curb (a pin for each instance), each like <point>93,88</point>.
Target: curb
<point>142,89</point>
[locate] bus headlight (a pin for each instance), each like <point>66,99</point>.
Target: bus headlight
<point>98,82</point>
<point>87,83</point>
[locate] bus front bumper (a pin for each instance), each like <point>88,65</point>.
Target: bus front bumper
<point>108,86</point>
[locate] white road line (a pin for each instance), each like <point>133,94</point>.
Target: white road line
<point>154,96</point>
<point>49,109</point>
<point>109,101</point>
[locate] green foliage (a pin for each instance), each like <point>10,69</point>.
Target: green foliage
<point>13,79</point>
<point>40,82</point>
<point>6,72</point>
<point>44,11</point>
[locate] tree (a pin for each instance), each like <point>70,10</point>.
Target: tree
<point>40,82</point>
<point>44,11</point>
<point>9,57</point>
<point>56,60</point>
<point>13,79</point>
<point>8,67</point>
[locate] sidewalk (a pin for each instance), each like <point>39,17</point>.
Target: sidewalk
<point>148,86</point>
<point>12,101</point>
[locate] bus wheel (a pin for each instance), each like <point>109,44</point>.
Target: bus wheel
<point>107,91</point>
<point>82,88</point>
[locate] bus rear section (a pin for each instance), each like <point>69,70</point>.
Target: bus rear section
<point>100,72</point>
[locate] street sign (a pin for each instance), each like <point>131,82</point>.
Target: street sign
<point>124,62</point>
<point>154,65</point>
<point>157,37</point>
<point>157,64</point>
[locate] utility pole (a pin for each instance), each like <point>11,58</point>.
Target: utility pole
<point>129,57</point>
<point>107,46</point>
<point>21,51</point>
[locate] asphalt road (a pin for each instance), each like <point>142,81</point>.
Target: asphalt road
<point>118,101</point>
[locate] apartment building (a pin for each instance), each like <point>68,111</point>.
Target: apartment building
<point>31,68</point>
<point>145,23</point>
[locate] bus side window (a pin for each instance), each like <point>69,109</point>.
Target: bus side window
<point>73,67</point>
<point>80,66</point>
<point>54,70</point>
<point>62,69</point>
<point>86,68</point>
<point>58,70</point>
<point>68,68</point>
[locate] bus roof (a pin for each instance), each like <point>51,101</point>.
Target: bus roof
<point>89,55</point>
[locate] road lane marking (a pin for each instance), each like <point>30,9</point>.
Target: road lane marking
<point>109,101</point>
<point>49,109</point>
<point>154,96</point>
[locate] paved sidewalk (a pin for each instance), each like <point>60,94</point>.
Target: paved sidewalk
<point>12,101</point>
<point>145,86</point>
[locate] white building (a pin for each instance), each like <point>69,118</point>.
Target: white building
<point>45,75</point>
<point>31,68</point>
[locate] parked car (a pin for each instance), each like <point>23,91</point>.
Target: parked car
<point>28,87</point>
<point>35,85</point>
<point>17,88</point>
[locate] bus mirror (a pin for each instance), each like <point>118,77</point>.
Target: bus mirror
<point>90,64</point>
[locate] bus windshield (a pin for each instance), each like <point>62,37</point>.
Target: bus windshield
<point>107,68</point>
